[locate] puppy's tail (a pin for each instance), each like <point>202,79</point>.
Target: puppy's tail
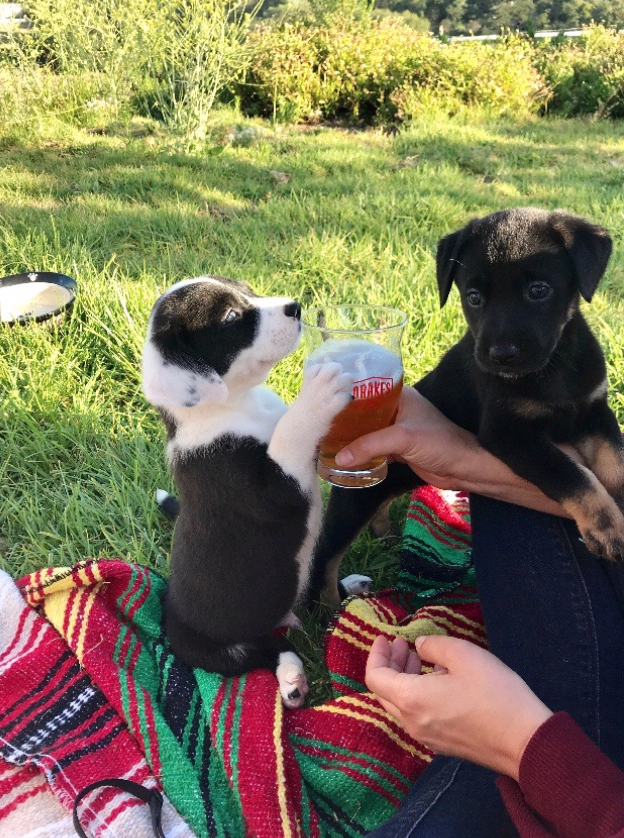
<point>169,504</point>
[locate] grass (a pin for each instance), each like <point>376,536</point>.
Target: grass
<point>316,213</point>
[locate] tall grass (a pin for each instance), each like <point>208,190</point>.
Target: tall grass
<point>115,58</point>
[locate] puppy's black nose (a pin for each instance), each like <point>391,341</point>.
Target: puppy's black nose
<point>503,353</point>
<point>293,310</point>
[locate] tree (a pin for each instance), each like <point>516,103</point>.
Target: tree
<point>609,12</point>
<point>514,14</point>
<point>448,15</point>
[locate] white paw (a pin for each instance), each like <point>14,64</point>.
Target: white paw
<point>293,684</point>
<point>326,389</point>
<point>290,621</point>
<point>356,584</point>
<point>161,496</point>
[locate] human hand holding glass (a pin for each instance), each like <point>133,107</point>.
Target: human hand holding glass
<point>445,455</point>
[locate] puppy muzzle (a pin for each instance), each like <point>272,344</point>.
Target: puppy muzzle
<point>506,360</point>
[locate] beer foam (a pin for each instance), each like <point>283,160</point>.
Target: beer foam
<point>360,358</point>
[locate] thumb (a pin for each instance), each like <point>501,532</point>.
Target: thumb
<point>448,652</point>
<point>392,440</point>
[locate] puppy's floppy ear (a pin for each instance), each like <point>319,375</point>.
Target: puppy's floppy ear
<point>589,247</point>
<point>176,383</point>
<point>449,249</point>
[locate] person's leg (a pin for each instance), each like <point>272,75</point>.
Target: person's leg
<point>555,614</point>
<point>452,798</point>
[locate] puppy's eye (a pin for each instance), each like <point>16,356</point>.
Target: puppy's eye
<point>539,291</point>
<point>231,316</point>
<point>475,299</point>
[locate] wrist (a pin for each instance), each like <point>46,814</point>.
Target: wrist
<point>526,729</point>
<point>469,469</point>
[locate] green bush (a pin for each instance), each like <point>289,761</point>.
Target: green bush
<point>172,60</point>
<point>586,76</point>
<point>380,71</point>
<point>498,78</point>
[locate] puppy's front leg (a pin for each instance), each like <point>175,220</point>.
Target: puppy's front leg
<point>326,389</point>
<point>603,448</point>
<point>530,454</point>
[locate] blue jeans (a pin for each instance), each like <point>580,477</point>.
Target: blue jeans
<point>555,614</point>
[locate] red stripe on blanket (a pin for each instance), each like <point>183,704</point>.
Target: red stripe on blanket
<point>31,681</point>
<point>447,512</point>
<point>21,798</point>
<point>68,609</point>
<point>18,634</point>
<point>400,785</point>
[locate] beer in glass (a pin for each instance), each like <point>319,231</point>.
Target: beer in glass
<point>366,342</point>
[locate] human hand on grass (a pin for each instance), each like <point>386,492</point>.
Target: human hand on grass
<point>472,706</point>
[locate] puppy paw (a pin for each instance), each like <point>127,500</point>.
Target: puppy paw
<point>606,537</point>
<point>381,526</point>
<point>600,522</point>
<point>290,621</point>
<point>355,584</point>
<point>293,684</point>
<point>326,390</point>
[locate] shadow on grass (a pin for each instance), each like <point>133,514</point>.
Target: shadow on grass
<point>260,206</point>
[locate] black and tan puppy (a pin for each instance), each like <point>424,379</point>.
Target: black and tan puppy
<point>527,374</point>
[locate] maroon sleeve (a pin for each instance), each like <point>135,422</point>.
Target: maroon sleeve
<point>568,788</point>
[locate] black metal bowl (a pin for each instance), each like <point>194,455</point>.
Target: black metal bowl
<point>37,296</point>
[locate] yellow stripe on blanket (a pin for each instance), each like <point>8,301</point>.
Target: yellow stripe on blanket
<point>279,765</point>
<point>377,722</point>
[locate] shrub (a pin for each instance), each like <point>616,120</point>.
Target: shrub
<point>585,76</point>
<point>171,60</point>
<point>498,78</point>
<point>381,70</point>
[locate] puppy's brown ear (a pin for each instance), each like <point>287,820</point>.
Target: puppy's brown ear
<point>447,257</point>
<point>589,247</point>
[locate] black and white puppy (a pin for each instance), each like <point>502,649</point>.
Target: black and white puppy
<point>527,374</point>
<point>244,467</point>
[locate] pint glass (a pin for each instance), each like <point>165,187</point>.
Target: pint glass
<point>366,342</point>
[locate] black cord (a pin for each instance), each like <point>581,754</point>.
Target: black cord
<point>150,796</point>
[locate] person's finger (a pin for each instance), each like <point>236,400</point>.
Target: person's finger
<point>413,665</point>
<point>379,655</point>
<point>393,440</point>
<point>380,678</point>
<point>399,653</point>
<point>447,652</point>
<point>389,707</point>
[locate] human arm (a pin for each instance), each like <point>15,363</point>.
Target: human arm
<point>445,455</point>
<point>565,779</point>
<point>557,785</point>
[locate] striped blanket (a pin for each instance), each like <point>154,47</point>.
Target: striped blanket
<point>89,689</point>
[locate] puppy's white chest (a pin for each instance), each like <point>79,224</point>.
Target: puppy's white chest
<point>255,415</point>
